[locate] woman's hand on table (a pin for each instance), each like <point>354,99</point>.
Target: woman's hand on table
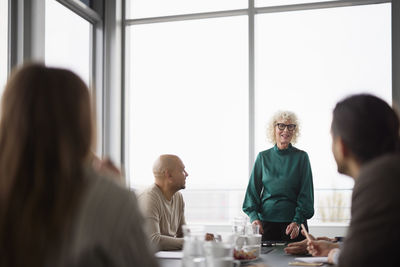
<point>259,223</point>
<point>293,229</point>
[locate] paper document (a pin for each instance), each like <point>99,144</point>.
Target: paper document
<point>299,263</point>
<point>169,254</point>
<point>312,259</point>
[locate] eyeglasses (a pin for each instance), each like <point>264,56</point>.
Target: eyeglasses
<point>282,126</point>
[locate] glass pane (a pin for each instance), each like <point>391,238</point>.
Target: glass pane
<point>67,40</point>
<point>307,67</point>
<point>265,3</point>
<point>87,2</point>
<point>157,8</point>
<point>188,96</point>
<point>3,43</point>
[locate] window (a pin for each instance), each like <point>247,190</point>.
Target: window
<point>188,92</point>
<point>307,67</point>
<point>67,40</point>
<point>157,8</point>
<point>188,96</point>
<point>3,44</point>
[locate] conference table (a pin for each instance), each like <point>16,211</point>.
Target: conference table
<point>271,256</point>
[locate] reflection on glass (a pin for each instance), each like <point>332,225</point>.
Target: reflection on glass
<point>3,43</point>
<point>188,96</point>
<point>87,2</point>
<point>306,61</point>
<point>266,3</point>
<point>67,40</point>
<point>158,8</point>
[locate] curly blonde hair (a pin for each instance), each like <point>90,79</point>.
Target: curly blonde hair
<point>286,116</point>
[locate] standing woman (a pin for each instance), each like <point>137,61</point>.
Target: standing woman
<point>55,209</point>
<point>280,193</point>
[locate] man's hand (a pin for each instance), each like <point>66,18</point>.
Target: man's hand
<point>326,238</point>
<point>320,248</point>
<point>331,255</point>
<point>293,230</point>
<point>298,248</point>
<point>258,222</point>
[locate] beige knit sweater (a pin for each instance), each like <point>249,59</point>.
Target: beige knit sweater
<point>164,219</point>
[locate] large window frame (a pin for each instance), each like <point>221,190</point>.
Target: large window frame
<point>251,12</point>
<point>27,43</point>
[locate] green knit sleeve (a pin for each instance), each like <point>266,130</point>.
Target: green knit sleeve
<point>305,199</point>
<point>252,200</point>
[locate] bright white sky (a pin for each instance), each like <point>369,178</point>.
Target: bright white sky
<point>188,95</point>
<point>156,8</point>
<point>263,3</point>
<point>188,92</point>
<point>67,40</point>
<point>309,60</point>
<point>3,43</point>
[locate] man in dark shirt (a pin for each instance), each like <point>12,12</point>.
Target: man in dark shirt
<point>373,237</point>
<point>365,128</point>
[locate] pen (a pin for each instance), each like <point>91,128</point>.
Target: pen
<point>305,231</point>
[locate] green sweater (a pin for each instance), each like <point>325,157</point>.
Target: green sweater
<point>280,187</point>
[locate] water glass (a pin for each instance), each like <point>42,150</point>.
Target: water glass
<point>223,262</point>
<point>252,229</point>
<point>239,224</point>
<point>194,262</point>
<point>193,250</point>
<point>218,250</point>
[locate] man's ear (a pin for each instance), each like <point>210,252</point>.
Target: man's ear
<point>342,150</point>
<point>167,174</point>
<point>343,147</point>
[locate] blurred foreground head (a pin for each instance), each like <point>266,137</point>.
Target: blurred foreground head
<point>46,115</point>
<point>367,125</point>
<point>45,139</point>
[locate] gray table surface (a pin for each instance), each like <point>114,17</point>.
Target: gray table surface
<point>271,256</point>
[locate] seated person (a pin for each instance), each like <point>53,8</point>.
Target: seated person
<point>372,239</point>
<point>300,248</point>
<point>353,153</point>
<point>162,205</point>
<point>56,208</point>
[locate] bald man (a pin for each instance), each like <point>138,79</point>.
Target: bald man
<point>162,205</point>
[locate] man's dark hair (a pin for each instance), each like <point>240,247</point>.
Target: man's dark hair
<point>367,125</point>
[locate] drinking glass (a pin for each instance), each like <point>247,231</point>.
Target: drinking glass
<point>193,250</point>
<point>252,229</point>
<point>223,262</point>
<point>239,224</point>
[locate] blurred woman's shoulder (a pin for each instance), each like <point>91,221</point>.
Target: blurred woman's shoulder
<point>105,194</point>
<point>108,222</point>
